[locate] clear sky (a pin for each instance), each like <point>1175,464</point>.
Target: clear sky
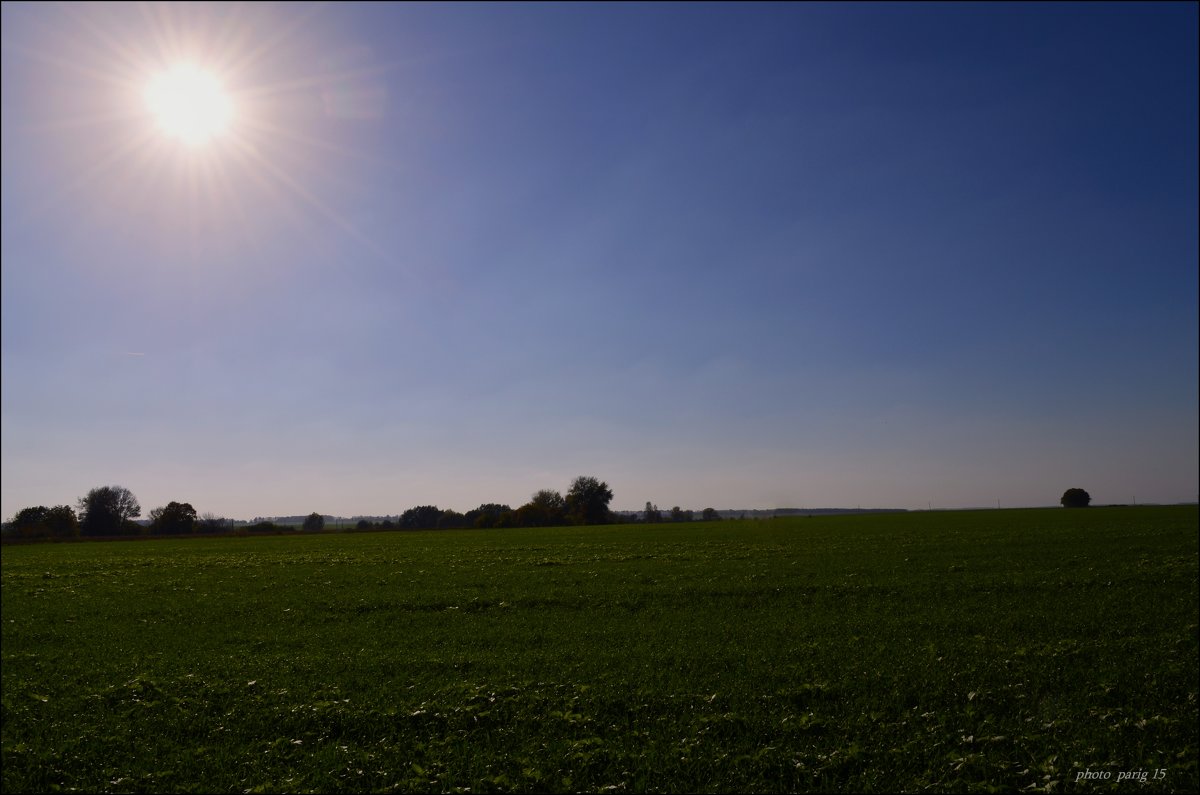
<point>727,256</point>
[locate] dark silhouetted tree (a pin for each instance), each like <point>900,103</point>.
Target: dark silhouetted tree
<point>176,518</point>
<point>211,523</point>
<point>680,515</point>
<point>1075,498</point>
<point>587,501</point>
<point>43,522</point>
<point>546,508</point>
<point>314,523</point>
<point>422,517</point>
<point>30,522</point>
<point>552,504</point>
<point>486,515</point>
<point>528,516</point>
<point>108,511</point>
<point>652,514</point>
<point>61,522</point>
<point>710,515</point>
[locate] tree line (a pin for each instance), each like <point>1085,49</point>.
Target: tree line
<point>653,515</point>
<point>110,511</point>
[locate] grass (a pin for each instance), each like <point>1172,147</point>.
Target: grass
<point>970,651</point>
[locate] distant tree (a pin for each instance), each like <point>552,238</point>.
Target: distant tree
<point>710,515</point>
<point>176,518</point>
<point>314,523</point>
<point>587,501</point>
<point>552,504</point>
<point>61,522</point>
<point>108,511</point>
<point>486,515</point>
<point>363,524</point>
<point>45,522</point>
<point>422,517</point>
<point>527,516</point>
<point>652,514</point>
<point>211,523</point>
<point>1076,498</point>
<point>451,519</point>
<point>680,515</point>
<point>546,508</point>
<point>30,522</point>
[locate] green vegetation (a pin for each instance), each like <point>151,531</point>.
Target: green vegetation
<point>970,651</point>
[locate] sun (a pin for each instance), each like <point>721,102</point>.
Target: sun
<point>189,104</point>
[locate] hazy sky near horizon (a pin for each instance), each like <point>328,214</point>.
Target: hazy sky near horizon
<point>717,255</point>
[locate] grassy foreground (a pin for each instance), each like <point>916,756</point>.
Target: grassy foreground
<point>1031,650</point>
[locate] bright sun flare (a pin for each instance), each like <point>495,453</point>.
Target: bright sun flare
<point>189,104</point>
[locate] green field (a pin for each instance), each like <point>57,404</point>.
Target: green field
<point>960,651</point>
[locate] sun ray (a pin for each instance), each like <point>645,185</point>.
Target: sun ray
<point>227,195</point>
<point>97,119</point>
<point>245,153</point>
<point>275,130</point>
<point>132,59</point>
<point>166,36</point>
<point>84,178</point>
<point>236,34</point>
<point>151,174</point>
<point>253,56</point>
<point>72,65</point>
<point>323,79</point>
<point>303,193</point>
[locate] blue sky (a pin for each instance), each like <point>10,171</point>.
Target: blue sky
<point>716,255</point>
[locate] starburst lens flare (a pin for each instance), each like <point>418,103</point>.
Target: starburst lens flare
<point>189,104</point>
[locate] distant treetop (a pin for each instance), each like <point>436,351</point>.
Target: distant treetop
<point>1075,498</point>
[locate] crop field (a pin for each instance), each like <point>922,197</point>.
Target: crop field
<point>1015,650</point>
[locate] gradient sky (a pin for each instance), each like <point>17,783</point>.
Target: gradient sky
<point>733,256</point>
